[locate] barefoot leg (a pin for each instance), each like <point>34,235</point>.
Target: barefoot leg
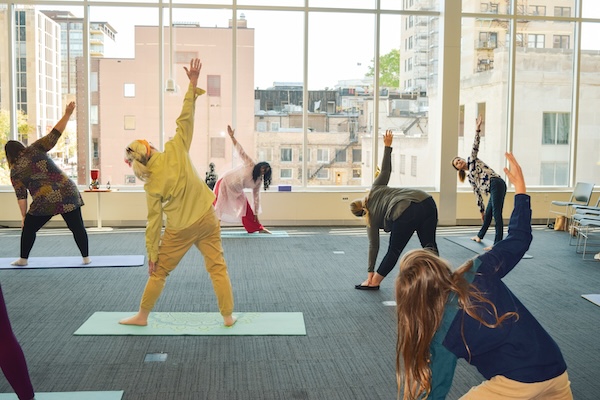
<point>21,262</point>
<point>86,260</point>
<point>476,239</point>
<point>139,319</point>
<point>229,320</point>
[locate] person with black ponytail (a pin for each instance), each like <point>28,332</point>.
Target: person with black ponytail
<point>231,204</point>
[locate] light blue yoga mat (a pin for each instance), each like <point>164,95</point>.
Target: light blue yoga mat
<point>244,234</point>
<point>112,395</point>
<point>196,323</point>
<point>594,298</point>
<point>472,245</point>
<point>75,262</point>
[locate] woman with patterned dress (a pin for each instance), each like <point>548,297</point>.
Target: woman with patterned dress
<point>231,204</point>
<point>53,193</point>
<point>483,180</point>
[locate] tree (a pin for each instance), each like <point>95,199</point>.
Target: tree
<point>23,128</point>
<point>389,69</point>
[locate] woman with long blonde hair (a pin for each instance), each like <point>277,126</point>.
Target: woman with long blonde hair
<point>470,313</point>
<point>400,211</point>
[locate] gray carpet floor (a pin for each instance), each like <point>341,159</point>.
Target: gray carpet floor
<point>349,349</point>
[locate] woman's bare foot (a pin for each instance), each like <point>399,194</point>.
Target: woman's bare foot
<point>137,319</point>
<point>265,230</point>
<point>229,320</point>
<point>488,248</point>
<point>476,239</point>
<point>86,260</point>
<point>21,262</point>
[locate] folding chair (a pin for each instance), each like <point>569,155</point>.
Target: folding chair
<point>580,197</point>
<point>588,236</point>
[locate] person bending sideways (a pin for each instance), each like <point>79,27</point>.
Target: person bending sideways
<point>400,211</point>
<point>471,314</point>
<point>174,188</point>
<point>52,192</point>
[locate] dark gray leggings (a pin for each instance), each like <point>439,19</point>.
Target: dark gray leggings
<point>34,223</point>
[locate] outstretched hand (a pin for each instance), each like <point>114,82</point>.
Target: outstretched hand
<point>515,174</point>
<point>388,138</point>
<point>478,122</point>
<point>194,72</point>
<point>230,131</point>
<point>70,108</point>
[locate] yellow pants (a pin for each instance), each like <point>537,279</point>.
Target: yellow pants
<point>501,388</point>
<point>205,234</point>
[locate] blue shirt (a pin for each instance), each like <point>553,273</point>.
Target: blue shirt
<point>520,349</point>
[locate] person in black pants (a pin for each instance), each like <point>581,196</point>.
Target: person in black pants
<point>53,193</point>
<point>400,211</point>
<point>483,180</point>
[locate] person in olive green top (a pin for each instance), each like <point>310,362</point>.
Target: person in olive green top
<point>400,211</point>
<point>174,188</point>
<point>52,192</point>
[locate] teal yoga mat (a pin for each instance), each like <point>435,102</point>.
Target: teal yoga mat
<point>196,323</point>
<point>75,262</point>
<point>244,234</point>
<point>594,298</point>
<point>472,245</point>
<point>112,395</point>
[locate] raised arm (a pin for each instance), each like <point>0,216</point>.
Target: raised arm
<point>508,252</point>
<point>185,122</point>
<point>386,163</point>
<point>238,146</point>
<point>475,150</point>
<point>47,142</point>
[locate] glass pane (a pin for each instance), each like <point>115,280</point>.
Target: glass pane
<point>588,141</point>
<point>342,101</point>
<point>277,103</point>
<point>419,5</point>
<point>590,9</point>
<point>364,4</point>
<point>543,101</point>
<point>484,65</point>
<point>127,85</point>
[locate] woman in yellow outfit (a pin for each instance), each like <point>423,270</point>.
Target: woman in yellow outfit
<point>174,188</point>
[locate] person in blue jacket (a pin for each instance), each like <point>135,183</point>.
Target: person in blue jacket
<point>470,313</point>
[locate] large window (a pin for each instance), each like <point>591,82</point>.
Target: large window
<point>302,80</point>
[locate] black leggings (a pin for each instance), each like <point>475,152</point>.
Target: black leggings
<point>418,217</point>
<point>12,360</point>
<point>34,223</point>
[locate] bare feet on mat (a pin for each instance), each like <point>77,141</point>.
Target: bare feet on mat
<point>476,239</point>
<point>229,320</point>
<point>265,230</point>
<point>21,262</point>
<point>488,248</point>
<point>137,319</point>
<point>86,260</point>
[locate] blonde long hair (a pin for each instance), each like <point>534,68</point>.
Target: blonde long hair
<point>359,208</point>
<point>137,155</point>
<point>422,288</point>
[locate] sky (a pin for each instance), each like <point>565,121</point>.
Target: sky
<point>340,44</point>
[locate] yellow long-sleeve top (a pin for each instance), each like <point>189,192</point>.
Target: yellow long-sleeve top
<point>174,187</point>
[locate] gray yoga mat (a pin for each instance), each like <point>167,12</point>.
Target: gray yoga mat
<point>111,395</point>
<point>196,324</point>
<point>255,235</point>
<point>594,298</point>
<point>75,262</point>
<point>472,245</point>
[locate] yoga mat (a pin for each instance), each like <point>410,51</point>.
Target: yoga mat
<point>594,298</point>
<point>199,323</point>
<point>112,395</point>
<point>75,262</point>
<point>244,234</point>
<point>472,245</point>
